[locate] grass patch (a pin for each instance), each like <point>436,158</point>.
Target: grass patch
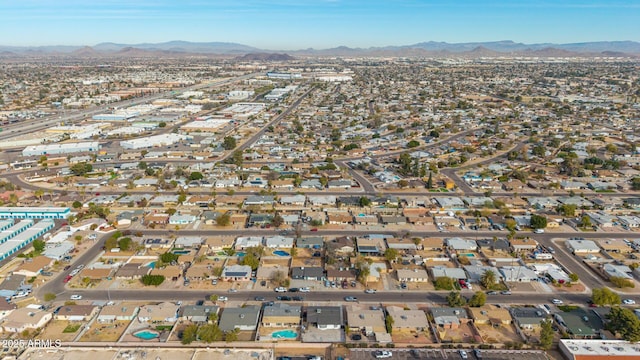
<point>71,328</point>
<point>164,327</point>
<point>568,308</point>
<point>607,191</point>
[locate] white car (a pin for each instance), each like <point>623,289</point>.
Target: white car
<point>629,302</point>
<point>304,289</point>
<point>556,301</point>
<point>370,291</point>
<point>383,354</point>
<point>463,354</point>
<point>280,289</point>
<point>76,297</point>
<point>222,298</point>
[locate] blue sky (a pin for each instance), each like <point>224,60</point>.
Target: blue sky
<point>296,24</point>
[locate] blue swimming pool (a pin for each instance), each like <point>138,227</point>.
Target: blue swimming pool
<point>181,252</point>
<point>280,253</point>
<point>152,264</point>
<point>146,334</point>
<point>240,253</point>
<point>284,334</point>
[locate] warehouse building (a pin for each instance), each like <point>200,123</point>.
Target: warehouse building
<point>59,149</point>
<point>35,212</point>
<point>598,349</point>
<point>154,141</point>
<point>23,239</point>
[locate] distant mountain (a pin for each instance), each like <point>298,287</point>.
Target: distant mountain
<point>183,46</point>
<point>423,49</point>
<point>265,57</point>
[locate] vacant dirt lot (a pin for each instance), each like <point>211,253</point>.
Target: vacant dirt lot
<point>105,332</point>
<point>54,330</point>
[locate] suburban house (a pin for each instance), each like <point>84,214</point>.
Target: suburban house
<point>307,273</point>
<point>415,275</point>
<point>449,318</point>
<point>523,244</point>
<point>325,317</point>
<point>236,273</point>
<point>33,267</point>
<point>243,318</point>
<point>407,320</point>
<point>117,312</point>
<point>77,312</point>
<point>528,317</point>
<point>198,313</point>
<point>278,242</point>
<point>165,312</point>
<point>25,319</point>
<point>364,319</point>
<point>281,315</point>
<point>490,315</point>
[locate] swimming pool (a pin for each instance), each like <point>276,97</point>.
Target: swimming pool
<point>146,334</point>
<point>181,252</point>
<point>152,264</point>
<point>284,334</point>
<point>468,255</point>
<point>280,253</point>
<point>240,253</point>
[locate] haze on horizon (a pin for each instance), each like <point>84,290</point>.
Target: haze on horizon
<point>298,24</point>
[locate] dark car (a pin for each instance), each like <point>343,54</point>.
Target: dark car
<point>67,267</point>
<point>294,290</point>
<point>283,298</point>
<point>297,298</point>
<point>259,298</point>
<point>356,337</point>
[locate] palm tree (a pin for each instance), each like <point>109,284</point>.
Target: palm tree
<point>488,279</point>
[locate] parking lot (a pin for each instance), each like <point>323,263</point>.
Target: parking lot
<point>368,354</point>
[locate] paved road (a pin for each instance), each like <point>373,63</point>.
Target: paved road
<point>403,353</point>
<point>264,129</point>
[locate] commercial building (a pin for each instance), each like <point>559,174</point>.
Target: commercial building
<point>154,141</point>
<point>56,149</point>
<point>35,212</point>
<point>24,238</point>
<point>598,349</point>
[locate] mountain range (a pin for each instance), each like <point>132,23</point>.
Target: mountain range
<point>430,48</point>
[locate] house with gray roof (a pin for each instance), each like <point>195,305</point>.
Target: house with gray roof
<point>307,273</point>
<point>198,313</point>
<point>527,317</point>
<point>449,318</point>
<point>313,242</point>
<point>325,317</point>
<point>243,318</point>
<point>443,271</point>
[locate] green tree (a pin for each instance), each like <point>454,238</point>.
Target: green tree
<point>229,143</point>
<point>154,280</point>
<point>430,181</point>
<point>585,221</point>
<point>232,335</point>
<point>488,279</point>
<point>567,210</point>
<point>621,282</point>
<point>478,299</point>
<point>189,334</point>
<point>388,323</point>
<point>39,245</point>
<point>604,296</point>
<point>443,283</point>
<point>538,221</point>
<point>124,243</point>
<point>546,334</point>
<point>209,333</point>
<point>574,277</point>
<point>224,219</point>
<point>364,201</point>
<point>624,322</point>
<point>49,296</point>
<point>250,259</point>
<point>169,257</point>
<point>455,300</point>
<point>390,254</point>
<point>277,220</point>
<point>81,169</point>
<point>77,204</point>
<point>196,175</point>
<point>635,184</point>
<point>413,143</point>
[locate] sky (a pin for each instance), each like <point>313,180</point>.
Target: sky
<point>319,24</point>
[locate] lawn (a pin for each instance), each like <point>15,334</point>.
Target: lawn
<point>71,328</point>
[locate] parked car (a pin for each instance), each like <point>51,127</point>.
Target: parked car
<point>297,298</point>
<point>259,298</point>
<point>305,289</point>
<point>370,291</point>
<point>477,353</point>
<point>463,354</point>
<point>222,298</point>
<point>280,289</point>
<point>67,279</point>
<point>492,293</point>
<point>356,337</point>
<point>294,290</point>
<point>76,297</point>
<point>382,354</point>
<point>350,299</point>
<point>505,292</point>
<point>629,302</point>
<point>283,298</point>
<point>556,301</point>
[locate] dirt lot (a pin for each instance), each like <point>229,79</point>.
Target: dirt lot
<point>105,332</point>
<point>411,337</point>
<point>54,331</point>
<point>500,334</point>
<point>463,334</point>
